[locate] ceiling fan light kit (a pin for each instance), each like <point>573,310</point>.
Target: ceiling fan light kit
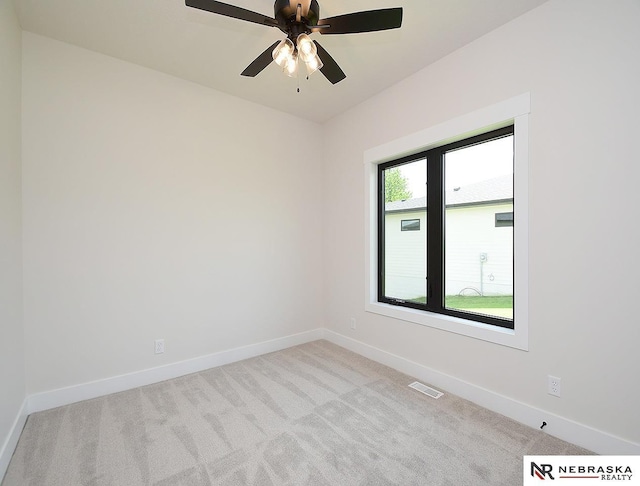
<point>298,19</point>
<point>283,52</point>
<point>287,55</point>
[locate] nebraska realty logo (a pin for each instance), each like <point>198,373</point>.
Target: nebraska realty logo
<point>581,469</point>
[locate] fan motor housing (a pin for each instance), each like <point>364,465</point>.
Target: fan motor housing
<point>285,12</point>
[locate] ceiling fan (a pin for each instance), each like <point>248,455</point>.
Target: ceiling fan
<point>298,19</point>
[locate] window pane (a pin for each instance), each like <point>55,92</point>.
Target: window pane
<point>504,219</point>
<point>478,273</point>
<point>405,239</point>
<point>410,225</point>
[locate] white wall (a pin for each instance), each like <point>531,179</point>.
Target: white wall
<point>157,208</point>
<point>12,376</point>
<point>579,61</point>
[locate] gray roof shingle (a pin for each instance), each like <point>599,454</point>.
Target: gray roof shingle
<point>496,189</point>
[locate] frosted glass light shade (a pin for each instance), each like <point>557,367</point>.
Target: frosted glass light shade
<point>283,52</point>
<point>313,65</point>
<point>306,48</point>
<point>291,66</point>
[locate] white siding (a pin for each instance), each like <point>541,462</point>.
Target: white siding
<point>405,259</point>
<point>471,231</point>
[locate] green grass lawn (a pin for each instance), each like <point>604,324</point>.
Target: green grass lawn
<point>479,302</point>
<point>475,301</point>
<point>498,306</point>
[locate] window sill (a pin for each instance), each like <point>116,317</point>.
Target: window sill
<point>477,330</point>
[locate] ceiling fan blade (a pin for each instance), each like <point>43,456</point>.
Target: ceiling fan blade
<point>330,68</point>
<point>369,21</point>
<point>260,62</point>
<point>231,11</point>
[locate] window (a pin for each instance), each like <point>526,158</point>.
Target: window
<point>461,265</point>
<point>410,225</point>
<point>504,219</point>
<point>404,301</point>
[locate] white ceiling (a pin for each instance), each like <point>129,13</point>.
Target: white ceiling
<point>213,50</point>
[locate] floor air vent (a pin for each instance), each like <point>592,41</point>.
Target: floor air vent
<point>426,390</point>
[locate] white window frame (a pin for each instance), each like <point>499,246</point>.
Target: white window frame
<point>512,111</point>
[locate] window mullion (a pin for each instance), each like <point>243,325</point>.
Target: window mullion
<point>381,230</point>
<point>435,248</point>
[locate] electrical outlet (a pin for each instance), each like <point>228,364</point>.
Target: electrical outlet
<point>353,323</point>
<point>159,346</point>
<point>554,385</point>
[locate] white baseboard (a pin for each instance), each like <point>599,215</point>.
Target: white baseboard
<point>12,439</point>
<point>85,391</point>
<point>560,427</point>
<point>563,428</point>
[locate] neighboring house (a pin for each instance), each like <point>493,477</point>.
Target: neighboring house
<point>478,236</point>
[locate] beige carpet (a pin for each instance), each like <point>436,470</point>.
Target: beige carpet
<point>314,414</point>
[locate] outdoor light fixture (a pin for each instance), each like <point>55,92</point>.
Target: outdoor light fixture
<point>286,55</point>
